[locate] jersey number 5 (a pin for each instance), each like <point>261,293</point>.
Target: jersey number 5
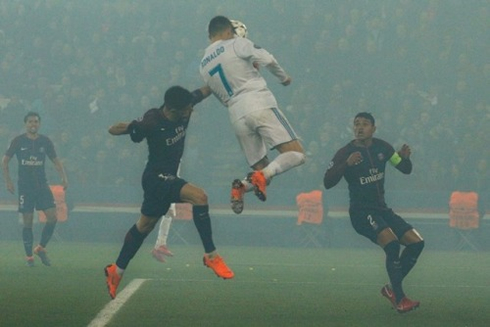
<point>219,70</point>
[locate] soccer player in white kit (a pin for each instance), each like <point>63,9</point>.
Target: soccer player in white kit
<point>230,69</point>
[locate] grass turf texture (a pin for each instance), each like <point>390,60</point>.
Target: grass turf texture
<point>272,287</point>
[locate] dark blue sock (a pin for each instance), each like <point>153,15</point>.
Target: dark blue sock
<point>27,238</point>
<point>47,232</point>
<point>409,256</point>
<point>393,268</point>
<point>203,224</point>
<point>132,243</point>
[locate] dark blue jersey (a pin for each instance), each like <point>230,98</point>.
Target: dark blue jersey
<point>31,155</point>
<point>165,140</point>
<point>366,179</point>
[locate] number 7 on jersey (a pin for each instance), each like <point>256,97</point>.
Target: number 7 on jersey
<point>218,69</point>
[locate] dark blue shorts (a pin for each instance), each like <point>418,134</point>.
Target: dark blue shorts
<point>370,223</point>
<point>160,191</point>
<point>40,198</point>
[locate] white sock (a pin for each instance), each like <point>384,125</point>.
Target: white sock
<point>163,231</point>
<point>119,271</point>
<point>247,184</point>
<point>283,162</point>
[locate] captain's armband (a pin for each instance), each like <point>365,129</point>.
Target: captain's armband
<point>395,159</point>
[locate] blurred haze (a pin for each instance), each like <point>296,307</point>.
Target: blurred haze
<point>421,67</point>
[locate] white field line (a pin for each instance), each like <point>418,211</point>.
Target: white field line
<point>484,266</point>
<point>113,306</point>
<point>104,316</point>
<point>279,282</point>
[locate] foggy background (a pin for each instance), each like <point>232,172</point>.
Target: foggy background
<point>421,67</point>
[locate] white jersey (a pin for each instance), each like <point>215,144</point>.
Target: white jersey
<point>227,68</point>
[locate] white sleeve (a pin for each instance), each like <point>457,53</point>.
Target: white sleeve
<point>246,49</point>
<point>277,70</point>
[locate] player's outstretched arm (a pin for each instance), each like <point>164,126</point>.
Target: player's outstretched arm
<point>119,129</point>
<point>61,171</point>
<point>6,174</point>
<point>338,165</point>
<point>200,94</point>
<point>279,72</point>
<point>405,151</point>
<point>404,164</point>
<point>287,81</point>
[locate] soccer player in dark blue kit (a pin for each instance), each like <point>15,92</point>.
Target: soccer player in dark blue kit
<point>362,163</point>
<point>164,129</point>
<point>31,150</point>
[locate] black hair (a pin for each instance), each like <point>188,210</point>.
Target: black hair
<point>31,114</point>
<point>219,24</point>
<point>366,115</point>
<point>177,97</point>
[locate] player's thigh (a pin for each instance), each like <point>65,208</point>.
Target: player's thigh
<point>276,130</point>
<point>294,145</point>
<point>397,224</point>
<point>27,200</point>
<point>368,223</point>
<point>251,142</point>
<point>45,199</point>
<point>410,237</point>
<point>194,195</point>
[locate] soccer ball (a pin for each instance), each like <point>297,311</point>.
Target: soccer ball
<point>239,28</point>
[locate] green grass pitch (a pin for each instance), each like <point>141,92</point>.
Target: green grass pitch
<point>272,287</point>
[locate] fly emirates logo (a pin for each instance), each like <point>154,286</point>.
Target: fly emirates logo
<point>180,133</point>
<point>374,176</point>
<point>32,161</point>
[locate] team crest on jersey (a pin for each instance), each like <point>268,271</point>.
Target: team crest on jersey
<point>381,156</point>
<point>41,149</point>
<point>330,165</point>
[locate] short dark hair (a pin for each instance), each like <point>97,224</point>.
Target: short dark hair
<point>219,24</point>
<point>177,97</point>
<point>366,115</point>
<point>31,114</point>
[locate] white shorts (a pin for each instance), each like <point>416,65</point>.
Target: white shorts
<point>260,130</point>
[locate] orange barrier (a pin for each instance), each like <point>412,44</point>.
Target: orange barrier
<point>463,210</point>
<point>310,207</point>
